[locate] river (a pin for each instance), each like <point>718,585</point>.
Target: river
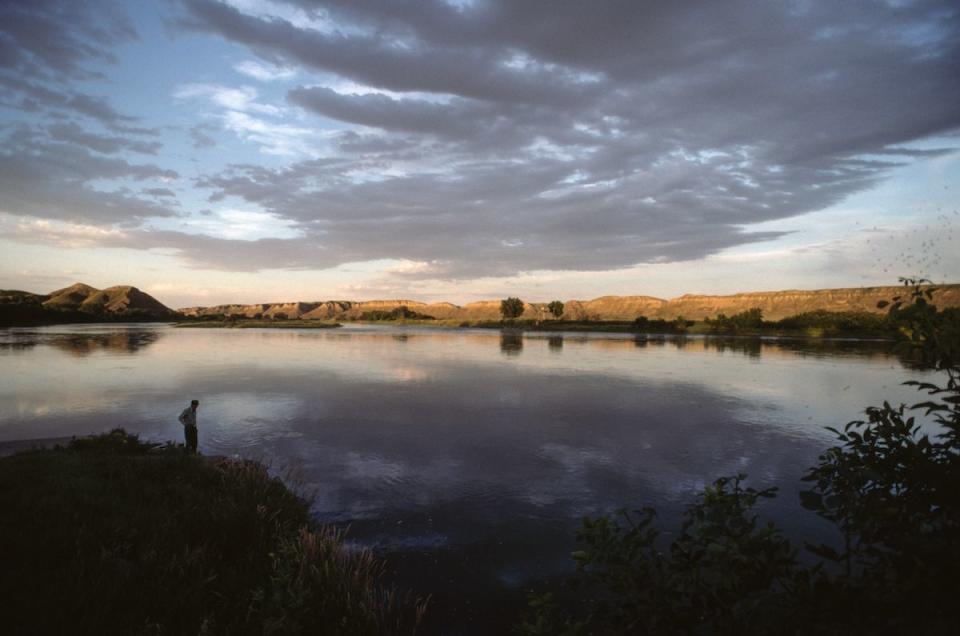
<point>465,457</point>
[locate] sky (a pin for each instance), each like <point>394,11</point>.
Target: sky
<point>247,151</point>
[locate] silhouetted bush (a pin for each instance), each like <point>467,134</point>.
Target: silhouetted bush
<point>112,535</point>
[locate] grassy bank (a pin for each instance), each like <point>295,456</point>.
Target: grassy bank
<point>111,535</point>
<point>250,324</point>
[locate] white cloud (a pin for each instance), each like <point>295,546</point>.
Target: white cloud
<point>243,225</point>
<point>242,99</point>
<point>264,72</point>
<point>252,120</point>
<point>274,139</point>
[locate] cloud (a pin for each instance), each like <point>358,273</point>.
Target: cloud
<point>199,137</point>
<point>71,132</point>
<point>249,119</point>
<point>241,99</point>
<point>385,59</point>
<point>501,137</point>
<point>496,137</point>
<point>242,225</point>
<point>57,38</point>
<point>47,44</point>
<point>264,72</point>
<point>55,180</point>
<point>160,192</point>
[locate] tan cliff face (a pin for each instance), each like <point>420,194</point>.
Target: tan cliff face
<point>775,305</point>
<point>782,304</point>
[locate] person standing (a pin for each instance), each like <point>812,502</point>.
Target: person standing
<point>189,420</point>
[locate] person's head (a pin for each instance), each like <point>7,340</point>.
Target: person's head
<point>194,404</point>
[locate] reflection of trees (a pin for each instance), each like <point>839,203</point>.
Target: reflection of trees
<point>115,342</point>
<point>555,343</point>
<point>754,347</point>
<point>511,343</point>
<point>18,344</point>
<point>750,347</point>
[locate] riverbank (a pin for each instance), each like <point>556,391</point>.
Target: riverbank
<point>699,328</point>
<point>112,535</point>
<point>692,328</point>
<point>257,324</point>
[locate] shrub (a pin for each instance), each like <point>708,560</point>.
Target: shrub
<point>399,313</point>
<point>749,320</point>
<point>837,322</point>
<point>112,535</point>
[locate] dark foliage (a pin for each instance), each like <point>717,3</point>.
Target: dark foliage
<point>399,313</point>
<point>750,320</point>
<point>659,325</point>
<point>555,308</point>
<point>511,308</point>
<point>839,323</point>
<point>112,535</point>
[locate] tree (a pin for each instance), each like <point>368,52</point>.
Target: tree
<point>555,308</point>
<point>511,308</point>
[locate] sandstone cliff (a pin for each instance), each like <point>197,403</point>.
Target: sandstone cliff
<point>775,305</point>
<point>781,304</point>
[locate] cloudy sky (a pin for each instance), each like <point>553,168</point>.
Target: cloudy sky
<point>263,150</point>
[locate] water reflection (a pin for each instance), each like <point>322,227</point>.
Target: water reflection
<point>555,343</point>
<point>511,343</point>
<point>124,342</point>
<point>82,343</point>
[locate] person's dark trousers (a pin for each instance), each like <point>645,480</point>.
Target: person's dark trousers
<point>190,433</point>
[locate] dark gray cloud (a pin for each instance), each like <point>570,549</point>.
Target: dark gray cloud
<point>46,45</point>
<point>200,138</point>
<point>544,134</point>
<point>71,132</point>
<point>160,192</point>
<point>58,169</point>
<point>58,38</point>
<point>386,59</point>
<point>54,180</point>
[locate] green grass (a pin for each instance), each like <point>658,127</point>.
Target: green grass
<point>111,535</point>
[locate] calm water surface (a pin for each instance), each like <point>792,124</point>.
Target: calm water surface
<point>465,457</point>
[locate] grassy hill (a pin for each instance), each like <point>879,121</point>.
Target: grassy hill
<point>81,303</point>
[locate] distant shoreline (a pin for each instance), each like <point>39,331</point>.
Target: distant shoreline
<point>256,324</point>
<point>698,328</point>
